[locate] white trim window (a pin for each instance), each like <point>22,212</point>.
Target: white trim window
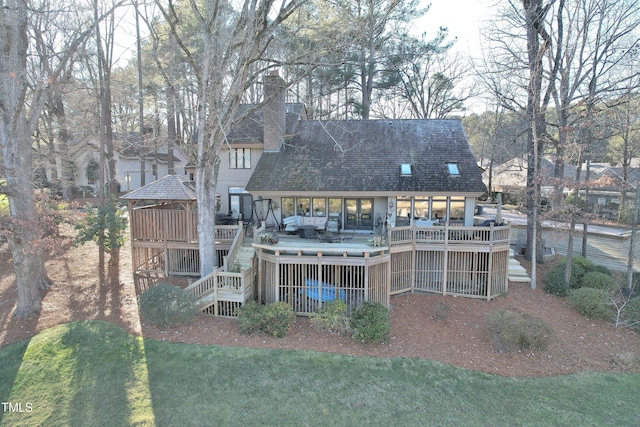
<point>240,158</point>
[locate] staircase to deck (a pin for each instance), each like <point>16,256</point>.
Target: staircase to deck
<point>244,256</point>
<point>228,287</point>
<point>516,272</point>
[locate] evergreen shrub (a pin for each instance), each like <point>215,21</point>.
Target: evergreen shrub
<point>580,266</point>
<point>598,280</point>
<point>371,323</point>
<point>332,317</point>
<point>592,303</point>
<point>272,319</point>
<point>511,331</point>
<point>631,314</point>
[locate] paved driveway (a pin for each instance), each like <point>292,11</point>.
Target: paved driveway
<point>606,245</point>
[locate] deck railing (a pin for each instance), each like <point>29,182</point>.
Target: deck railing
<point>480,236</point>
<point>164,225</point>
<point>466,261</point>
<point>173,225</point>
<point>235,247</point>
<point>306,282</point>
<point>222,292</point>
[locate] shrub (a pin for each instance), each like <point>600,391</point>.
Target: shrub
<point>631,314</point>
<point>104,225</point>
<point>554,280</point>
<point>601,269</point>
<point>250,318</point>
<point>278,317</point>
<point>511,331</point>
<point>598,280</point>
<point>635,280</point>
<point>272,319</point>
<point>332,317</point>
<point>593,303</point>
<point>370,323</point>
<point>166,305</point>
<point>586,264</point>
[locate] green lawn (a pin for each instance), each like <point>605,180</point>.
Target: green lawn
<point>92,373</point>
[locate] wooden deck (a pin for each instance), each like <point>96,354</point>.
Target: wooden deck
<point>466,261</point>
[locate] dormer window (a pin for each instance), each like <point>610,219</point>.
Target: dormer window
<point>405,169</point>
<point>453,168</point>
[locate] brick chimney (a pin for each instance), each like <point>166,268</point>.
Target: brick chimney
<point>275,111</point>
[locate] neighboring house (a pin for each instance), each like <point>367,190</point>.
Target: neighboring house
<point>85,155</point>
<point>606,194</point>
<point>511,176</point>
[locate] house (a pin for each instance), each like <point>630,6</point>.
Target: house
<point>85,155</point>
<point>405,188</point>
<point>359,172</point>
<point>364,172</point>
<point>605,194</point>
<point>511,176</point>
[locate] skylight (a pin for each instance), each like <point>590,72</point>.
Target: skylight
<point>453,168</point>
<point>405,169</point>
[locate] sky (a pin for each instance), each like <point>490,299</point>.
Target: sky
<point>463,18</point>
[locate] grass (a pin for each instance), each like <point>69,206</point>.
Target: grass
<point>92,373</point>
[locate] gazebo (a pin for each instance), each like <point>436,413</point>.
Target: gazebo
<point>163,220</point>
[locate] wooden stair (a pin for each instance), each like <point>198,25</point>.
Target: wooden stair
<point>210,297</point>
<point>244,257</point>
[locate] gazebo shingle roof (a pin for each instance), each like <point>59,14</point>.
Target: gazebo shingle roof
<point>365,155</point>
<point>170,187</point>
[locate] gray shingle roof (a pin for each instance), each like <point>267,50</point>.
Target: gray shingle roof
<point>171,187</point>
<point>365,155</point>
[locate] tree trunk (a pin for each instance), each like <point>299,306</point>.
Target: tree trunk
<point>535,22</point>
<point>28,260</point>
<point>206,195</point>
<point>66,172</point>
<point>17,156</point>
<point>576,202</point>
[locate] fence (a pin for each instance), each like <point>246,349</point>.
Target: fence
<point>467,261</point>
<point>306,282</point>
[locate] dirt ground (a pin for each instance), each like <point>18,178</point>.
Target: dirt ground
<point>458,338</point>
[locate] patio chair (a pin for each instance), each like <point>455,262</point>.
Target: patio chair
<point>332,226</point>
<point>291,224</point>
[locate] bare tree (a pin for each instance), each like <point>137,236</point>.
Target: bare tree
<point>21,103</point>
<point>431,80</point>
<point>232,56</point>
